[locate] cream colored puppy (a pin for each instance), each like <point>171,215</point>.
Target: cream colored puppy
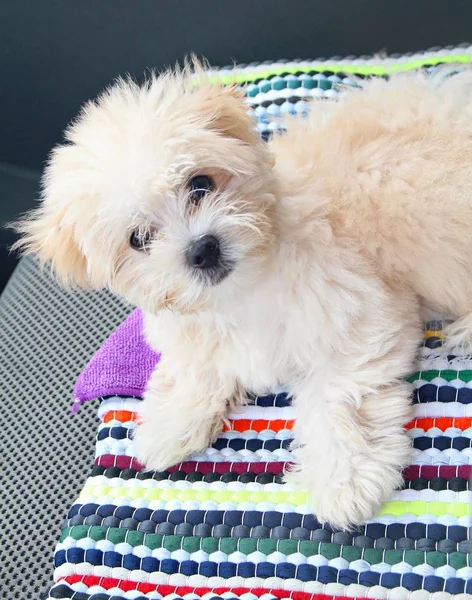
<point>300,263</point>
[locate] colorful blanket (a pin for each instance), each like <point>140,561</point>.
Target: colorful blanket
<point>223,524</point>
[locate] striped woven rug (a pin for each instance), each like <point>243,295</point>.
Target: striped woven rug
<point>224,525</point>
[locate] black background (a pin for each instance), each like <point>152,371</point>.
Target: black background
<point>56,54</point>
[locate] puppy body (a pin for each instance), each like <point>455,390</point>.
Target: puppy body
<point>332,237</point>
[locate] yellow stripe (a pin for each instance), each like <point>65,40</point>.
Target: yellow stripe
<point>353,69</point>
<point>429,333</point>
<point>396,507</point>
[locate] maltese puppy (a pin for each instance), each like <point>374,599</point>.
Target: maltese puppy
<point>302,263</point>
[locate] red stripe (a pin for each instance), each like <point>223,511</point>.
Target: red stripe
<point>127,462</point>
<point>108,583</point>
<point>277,468</point>
<point>118,460</point>
<point>432,471</point>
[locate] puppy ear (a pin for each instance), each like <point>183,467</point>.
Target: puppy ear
<point>222,106</point>
<point>231,114</point>
<point>45,236</point>
<point>49,231</point>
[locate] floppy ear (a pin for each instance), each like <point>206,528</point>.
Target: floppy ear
<point>222,106</point>
<point>231,114</point>
<point>49,231</point>
<point>46,236</point>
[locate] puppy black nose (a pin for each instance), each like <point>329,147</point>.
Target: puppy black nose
<point>204,253</point>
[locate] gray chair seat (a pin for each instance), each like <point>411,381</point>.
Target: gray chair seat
<point>46,337</point>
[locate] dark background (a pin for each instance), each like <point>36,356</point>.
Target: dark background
<point>55,54</point>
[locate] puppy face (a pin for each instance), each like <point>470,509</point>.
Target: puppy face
<point>163,193</point>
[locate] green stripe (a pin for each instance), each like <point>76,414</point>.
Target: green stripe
<point>267,546</point>
<point>352,69</point>
<point>446,374</point>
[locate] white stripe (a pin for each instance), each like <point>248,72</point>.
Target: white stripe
<point>434,360</point>
<point>117,403</point>
<point>264,435</point>
<point>270,413</point>
<point>126,448</point>
<point>116,423</point>
<point>442,409</point>
<point>286,413</point>
<point>245,412</point>
<point>432,456</point>
<point>301,92</point>
<point>434,432</point>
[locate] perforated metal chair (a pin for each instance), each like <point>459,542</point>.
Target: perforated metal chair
<point>46,336</point>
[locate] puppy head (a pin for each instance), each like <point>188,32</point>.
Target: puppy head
<point>162,193</point>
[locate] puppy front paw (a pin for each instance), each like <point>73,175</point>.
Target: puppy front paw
<point>177,417</point>
<point>158,447</point>
<point>155,449</point>
<point>167,437</point>
<point>348,491</point>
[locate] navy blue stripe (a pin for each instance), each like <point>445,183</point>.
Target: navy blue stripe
<point>456,484</point>
<point>303,572</point>
<point>421,443</point>
<point>443,393</point>
<point>442,442</point>
<point>115,433</point>
<point>236,444</point>
<point>253,445</point>
<point>62,590</point>
<point>278,400</point>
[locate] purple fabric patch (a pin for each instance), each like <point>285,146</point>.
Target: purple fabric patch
<point>121,367</point>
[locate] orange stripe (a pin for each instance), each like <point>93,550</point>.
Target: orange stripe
<point>259,425</point>
<point>442,423</point>
<point>432,333</point>
<point>123,416</point>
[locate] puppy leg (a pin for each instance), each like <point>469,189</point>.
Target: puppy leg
<point>349,456</point>
<point>459,335</point>
<point>181,414</point>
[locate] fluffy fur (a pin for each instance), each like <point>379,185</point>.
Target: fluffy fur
<point>338,232</point>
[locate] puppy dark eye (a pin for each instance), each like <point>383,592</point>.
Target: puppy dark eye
<point>140,239</point>
<point>199,186</point>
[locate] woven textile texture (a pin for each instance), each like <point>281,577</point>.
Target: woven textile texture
<point>121,366</point>
<point>223,524</point>
<point>275,90</point>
